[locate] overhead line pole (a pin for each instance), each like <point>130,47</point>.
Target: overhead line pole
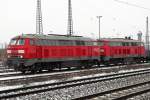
<point>70,20</point>
<point>130,4</point>
<point>99,18</point>
<point>147,34</point>
<point>39,24</point>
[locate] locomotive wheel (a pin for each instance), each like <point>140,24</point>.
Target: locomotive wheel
<point>98,63</point>
<point>59,66</point>
<point>40,70</point>
<point>23,71</point>
<point>87,65</point>
<point>51,67</point>
<point>68,68</point>
<point>107,64</point>
<point>33,69</point>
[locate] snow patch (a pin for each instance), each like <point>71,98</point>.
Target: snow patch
<point>89,76</point>
<point>27,85</point>
<point>130,70</point>
<point>9,73</point>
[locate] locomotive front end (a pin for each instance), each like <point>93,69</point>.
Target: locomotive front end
<point>16,53</point>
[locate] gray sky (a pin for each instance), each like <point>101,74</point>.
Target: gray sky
<point>119,20</point>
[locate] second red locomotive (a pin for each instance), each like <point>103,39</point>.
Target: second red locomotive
<point>121,50</point>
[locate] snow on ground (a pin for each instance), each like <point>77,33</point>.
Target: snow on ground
<point>6,70</point>
<point>124,66</point>
<point>104,74</point>
<point>54,81</point>
<point>37,75</point>
<point>8,73</point>
<point>30,84</point>
<point>130,70</point>
<point>50,81</point>
<point>2,67</point>
<point>9,87</point>
<point>56,73</point>
<point>89,76</point>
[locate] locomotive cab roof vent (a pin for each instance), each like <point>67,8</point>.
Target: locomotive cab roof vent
<point>128,38</point>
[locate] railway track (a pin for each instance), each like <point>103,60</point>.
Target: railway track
<point>16,78</point>
<point>122,93</point>
<point>29,90</point>
<point>145,95</point>
<point>10,74</point>
<point>4,69</point>
<point>7,72</point>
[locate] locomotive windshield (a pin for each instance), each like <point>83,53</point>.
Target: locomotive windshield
<point>20,42</point>
<point>13,42</point>
<point>17,42</point>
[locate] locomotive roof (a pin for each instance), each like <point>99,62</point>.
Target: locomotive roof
<point>55,37</point>
<point>119,40</point>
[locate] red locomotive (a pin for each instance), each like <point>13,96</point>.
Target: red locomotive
<point>121,51</point>
<point>33,52</point>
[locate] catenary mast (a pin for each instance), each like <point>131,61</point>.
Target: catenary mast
<point>147,35</point>
<point>39,25</point>
<point>70,20</point>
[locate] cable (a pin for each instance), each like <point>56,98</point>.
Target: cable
<point>123,2</point>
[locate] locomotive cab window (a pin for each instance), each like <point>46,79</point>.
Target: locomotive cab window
<point>21,42</point>
<point>17,42</point>
<point>13,42</point>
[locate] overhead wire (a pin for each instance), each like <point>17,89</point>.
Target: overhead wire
<point>130,4</point>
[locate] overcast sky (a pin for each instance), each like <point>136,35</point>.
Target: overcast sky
<point>119,20</point>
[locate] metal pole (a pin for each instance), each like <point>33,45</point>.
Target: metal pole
<point>70,19</point>
<point>39,25</point>
<point>147,37</point>
<point>147,34</point>
<point>99,18</point>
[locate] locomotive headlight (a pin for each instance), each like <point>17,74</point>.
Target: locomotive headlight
<point>101,50</point>
<point>20,51</point>
<point>21,56</point>
<point>8,51</point>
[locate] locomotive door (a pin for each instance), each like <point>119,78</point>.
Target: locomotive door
<point>39,52</point>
